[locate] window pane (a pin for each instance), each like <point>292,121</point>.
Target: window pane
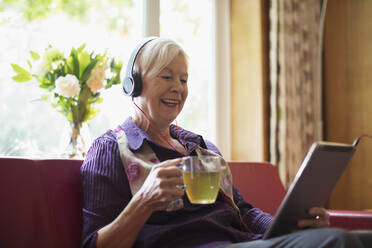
<point>190,23</point>
<point>31,127</point>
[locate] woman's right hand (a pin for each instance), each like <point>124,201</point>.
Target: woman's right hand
<point>158,190</point>
<point>160,186</point>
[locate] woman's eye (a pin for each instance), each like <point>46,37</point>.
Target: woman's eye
<point>166,77</point>
<point>183,81</point>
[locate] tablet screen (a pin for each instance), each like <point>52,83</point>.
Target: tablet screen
<point>312,186</point>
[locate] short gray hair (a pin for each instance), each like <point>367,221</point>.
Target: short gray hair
<point>156,55</point>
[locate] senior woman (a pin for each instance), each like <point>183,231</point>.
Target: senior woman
<point>132,193</point>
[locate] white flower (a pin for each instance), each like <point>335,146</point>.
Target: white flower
<point>68,85</point>
<point>97,76</point>
<point>53,54</point>
<point>50,60</point>
<point>42,68</point>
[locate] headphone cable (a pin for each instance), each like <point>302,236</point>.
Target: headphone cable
<point>158,130</point>
<point>356,141</point>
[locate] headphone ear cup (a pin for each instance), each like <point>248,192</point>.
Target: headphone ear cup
<point>128,86</point>
<point>137,84</point>
<point>132,83</point>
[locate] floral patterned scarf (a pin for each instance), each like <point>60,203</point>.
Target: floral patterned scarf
<point>137,167</point>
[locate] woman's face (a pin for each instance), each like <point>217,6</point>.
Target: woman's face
<point>164,95</point>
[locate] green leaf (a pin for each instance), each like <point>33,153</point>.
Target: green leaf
<point>21,78</point>
<point>19,69</point>
<point>115,70</point>
<point>112,63</point>
<point>34,55</point>
<point>70,65</point>
<point>84,60</point>
<point>44,86</point>
<point>81,48</point>
<point>69,116</point>
<point>94,98</point>
<point>75,63</point>
<point>91,113</point>
<point>109,83</point>
<point>47,82</point>
<point>29,63</point>
<point>88,70</point>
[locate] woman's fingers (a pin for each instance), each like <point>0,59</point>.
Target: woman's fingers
<point>320,215</point>
<point>171,171</point>
<point>173,186</point>
<point>168,163</point>
<point>163,184</point>
<point>318,211</point>
<point>320,218</point>
<point>308,223</point>
<point>168,168</point>
<point>167,191</point>
<point>171,182</point>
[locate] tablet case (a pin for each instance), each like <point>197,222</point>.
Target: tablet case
<point>312,186</point>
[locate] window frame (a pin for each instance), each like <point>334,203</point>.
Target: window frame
<point>220,93</point>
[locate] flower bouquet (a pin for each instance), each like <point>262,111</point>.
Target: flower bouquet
<point>73,85</point>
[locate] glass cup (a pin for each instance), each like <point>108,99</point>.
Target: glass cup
<point>201,176</point>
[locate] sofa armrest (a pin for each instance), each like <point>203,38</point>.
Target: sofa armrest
<point>351,220</point>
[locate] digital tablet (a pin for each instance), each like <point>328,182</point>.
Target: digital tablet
<point>312,186</point>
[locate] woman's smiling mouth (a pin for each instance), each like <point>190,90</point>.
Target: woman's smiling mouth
<point>170,102</point>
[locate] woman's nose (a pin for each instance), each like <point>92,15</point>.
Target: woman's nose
<point>178,85</point>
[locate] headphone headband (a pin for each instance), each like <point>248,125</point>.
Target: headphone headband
<point>132,83</point>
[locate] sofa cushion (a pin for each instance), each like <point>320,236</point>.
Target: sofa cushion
<point>40,203</point>
<point>64,196</point>
<point>253,177</point>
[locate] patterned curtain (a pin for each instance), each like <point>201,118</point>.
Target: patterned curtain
<point>295,82</point>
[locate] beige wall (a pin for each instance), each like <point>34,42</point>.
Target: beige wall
<point>347,90</point>
<point>248,81</point>
<point>348,96</point>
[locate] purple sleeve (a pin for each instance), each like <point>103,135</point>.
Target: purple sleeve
<point>257,220</point>
<point>212,147</point>
<point>105,188</point>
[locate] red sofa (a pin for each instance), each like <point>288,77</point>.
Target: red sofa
<point>41,200</point>
<point>248,177</point>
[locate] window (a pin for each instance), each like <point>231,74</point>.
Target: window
<point>189,23</point>
<point>31,127</point>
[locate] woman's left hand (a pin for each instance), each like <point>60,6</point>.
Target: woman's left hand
<point>321,218</point>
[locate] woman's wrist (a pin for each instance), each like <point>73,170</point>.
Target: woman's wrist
<point>140,206</point>
<point>123,231</point>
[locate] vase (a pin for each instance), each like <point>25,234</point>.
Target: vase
<point>76,141</point>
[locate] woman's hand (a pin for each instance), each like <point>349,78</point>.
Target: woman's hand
<point>321,218</point>
<point>160,186</point>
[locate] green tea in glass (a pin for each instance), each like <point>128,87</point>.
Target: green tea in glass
<point>201,176</point>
